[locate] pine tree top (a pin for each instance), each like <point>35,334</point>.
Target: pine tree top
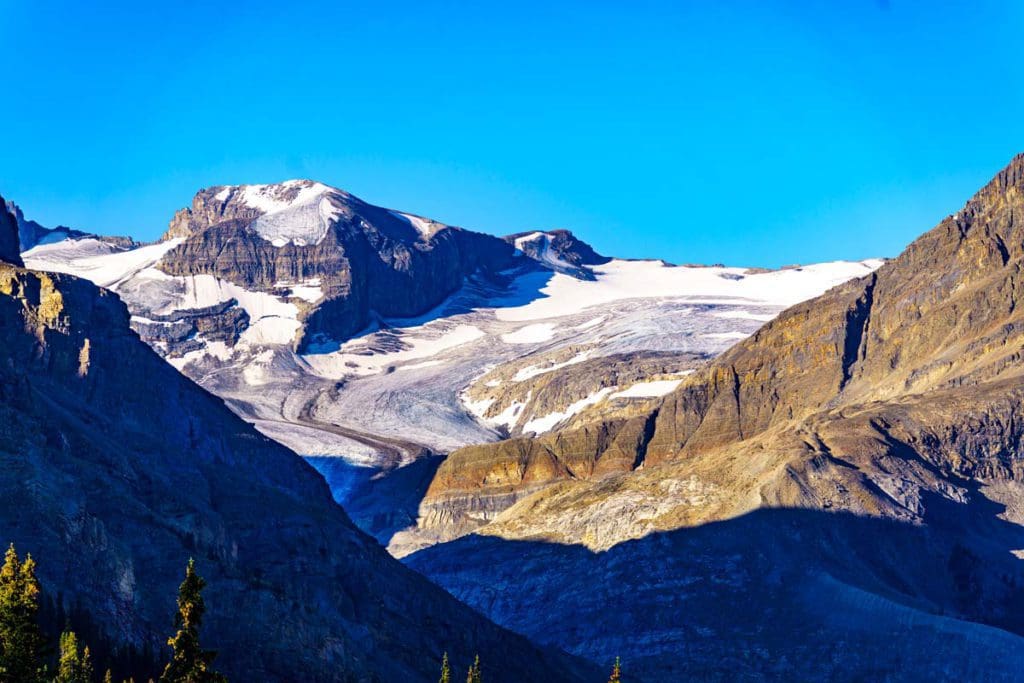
<point>446,672</point>
<point>616,672</point>
<point>190,663</point>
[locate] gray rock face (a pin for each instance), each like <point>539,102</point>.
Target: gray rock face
<point>9,251</point>
<point>222,322</point>
<point>114,469</point>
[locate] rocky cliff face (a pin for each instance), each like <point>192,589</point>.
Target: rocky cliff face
<point>9,246</point>
<point>895,397</point>
<point>941,316</point>
<point>114,469</point>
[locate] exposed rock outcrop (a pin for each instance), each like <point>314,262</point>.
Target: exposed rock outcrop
<point>9,246</point>
<point>540,385</point>
<point>560,251</point>
<point>176,331</point>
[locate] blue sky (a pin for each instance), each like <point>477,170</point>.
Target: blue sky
<point>750,133</point>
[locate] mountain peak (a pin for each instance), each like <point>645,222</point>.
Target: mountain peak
<point>304,209</point>
<point>272,197</point>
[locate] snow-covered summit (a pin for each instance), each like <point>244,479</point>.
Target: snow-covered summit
<point>299,212</point>
<point>274,197</point>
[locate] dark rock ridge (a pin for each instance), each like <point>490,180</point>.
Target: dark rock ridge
<point>559,250</point>
<point>561,243</point>
<point>9,249</point>
<point>369,260</point>
<point>114,469</point>
<point>895,396</point>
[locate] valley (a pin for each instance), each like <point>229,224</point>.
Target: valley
<point>562,342</point>
<point>722,454</point>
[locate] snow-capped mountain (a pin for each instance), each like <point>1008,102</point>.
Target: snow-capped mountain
<point>116,469</point>
<point>347,330</point>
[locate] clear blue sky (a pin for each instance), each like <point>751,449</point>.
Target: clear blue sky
<point>753,133</point>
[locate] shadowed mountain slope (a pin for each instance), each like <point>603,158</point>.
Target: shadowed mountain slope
<point>774,595</point>
<point>115,469</point>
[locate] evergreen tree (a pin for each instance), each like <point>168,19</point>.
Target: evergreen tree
<point>108,677</point>
<point>473,676</point>
<point>189,662</point>
<point>74,666</point>
<point>446,672</point>
<point>21,640</point>
<point>616,672</point>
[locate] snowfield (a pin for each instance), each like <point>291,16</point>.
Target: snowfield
<point>619,280</point>
<point>97,261</point>
<point>531,334</point>
<point>406,380</point>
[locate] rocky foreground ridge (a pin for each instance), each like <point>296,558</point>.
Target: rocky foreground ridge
<point>116,469</point>
<point>849,476</point>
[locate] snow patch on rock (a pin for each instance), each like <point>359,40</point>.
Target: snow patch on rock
<point>531,334</point>
<point>424,227</point>
<point>652,389</point>
<point>533,370</point>
<point>546,423</point>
